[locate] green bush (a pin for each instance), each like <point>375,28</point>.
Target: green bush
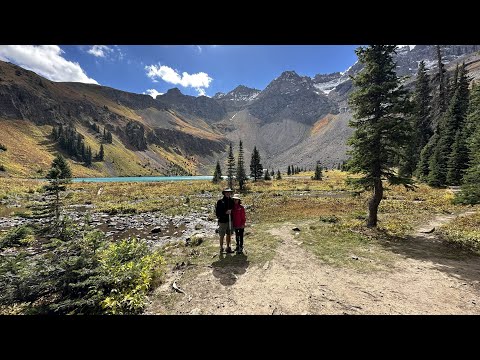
<point>132,270</point>
<point>14,236</point>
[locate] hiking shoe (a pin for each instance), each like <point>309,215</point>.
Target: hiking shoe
<point>229,250</point>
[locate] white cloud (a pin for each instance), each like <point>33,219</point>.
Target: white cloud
<point>100,50</point>
<point>198,81</point>
<point>45,60</point>
<point>152,92</point>
<point>199,48</point>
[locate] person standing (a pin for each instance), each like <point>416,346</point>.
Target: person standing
<point>223,211</point>
<point>239,220</point>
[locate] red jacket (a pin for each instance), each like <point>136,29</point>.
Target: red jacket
<point>238,216</point>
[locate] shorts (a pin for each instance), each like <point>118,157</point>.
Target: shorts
<point>223,229</point>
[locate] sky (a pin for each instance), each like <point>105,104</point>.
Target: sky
<point>194,69</point>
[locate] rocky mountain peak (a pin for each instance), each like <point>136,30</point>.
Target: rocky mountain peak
<point>174,92</point>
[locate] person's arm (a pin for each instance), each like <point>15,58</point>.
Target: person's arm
<point>219,209</point>
<point>244,217</point>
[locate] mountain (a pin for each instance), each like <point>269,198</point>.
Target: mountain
<point>237,98</point>
<point>149,136</point>
<point>296,120</point>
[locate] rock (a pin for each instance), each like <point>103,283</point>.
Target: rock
<point>354,257</point>
<point>296,229</point>
<point>198,226</point>
<point>428,231</point>
<point>265,267</point>
<point>156,230</point>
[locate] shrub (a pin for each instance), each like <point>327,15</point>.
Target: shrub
<point>14,236</point>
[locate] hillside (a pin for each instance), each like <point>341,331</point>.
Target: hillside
<point>148,138</point>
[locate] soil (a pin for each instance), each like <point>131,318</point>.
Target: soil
<point>429,276</point>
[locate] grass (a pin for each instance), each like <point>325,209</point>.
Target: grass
<point>464,231</point>
<point>337,245</point>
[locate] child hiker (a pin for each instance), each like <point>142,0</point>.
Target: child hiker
<point>239,219</point>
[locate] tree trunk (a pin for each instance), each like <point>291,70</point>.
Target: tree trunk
<point>374,203</point>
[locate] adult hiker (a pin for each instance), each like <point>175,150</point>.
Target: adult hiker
<point>223,211</point>
<point>239,219</point>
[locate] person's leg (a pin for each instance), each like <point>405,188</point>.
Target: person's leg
<point>221,242</point>
<point>229,237</point>
<point>221,233</point>
<point>240,237</point>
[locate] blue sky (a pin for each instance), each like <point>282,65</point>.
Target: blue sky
<point>194,69</point>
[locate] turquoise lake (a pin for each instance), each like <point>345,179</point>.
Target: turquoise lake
<point>142,179</point>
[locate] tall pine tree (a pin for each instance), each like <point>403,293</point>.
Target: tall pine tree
<point>230,167</point>
<point>58,176</point>
<point>256,168</point>
<point>318,172</point>
<point>217,174</point>
<point>422,126</point>
<point>241,174</point>
<point>442,165</point>
<point>470,193</point>
<point>380,104</point>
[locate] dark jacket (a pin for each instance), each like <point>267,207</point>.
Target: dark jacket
<point>222,206</point>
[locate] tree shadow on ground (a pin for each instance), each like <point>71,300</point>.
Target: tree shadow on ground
<point>446,257</point>
<point>228,266</point>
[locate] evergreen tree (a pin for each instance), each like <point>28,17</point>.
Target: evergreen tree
<point>458,159</point>
<point>470,193</point>
<point>267,175</point>
<point>217,175</point>
<point>288,171</point>
<point>256,168</point>
<point>423,168</point>
<point>58,176</point>
<point>101,154</point>
<point>88,156</point>
<point>380,104</point>
<point>318,172</point>
<point>272,173</point>
<point>230,167</point>
<point>241,173</point>
<point>279,176</point>
<point>452,122</point>
<point>441,96</point>
<point>421,122</point>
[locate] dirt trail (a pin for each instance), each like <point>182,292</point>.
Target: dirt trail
<point>429,277</point>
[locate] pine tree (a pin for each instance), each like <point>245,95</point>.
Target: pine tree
<point>458,159</point>
<point>279,176</point>
<point>241,174</point>
<point>470,190</point>
<point>267,175</point>
<point>256,168</point>
<point>217,175</point>
<point>230,167</point>
<point>453,121</point>
<point>421,122</point>
<point>58,176</point>
<point>318,172</point>
<point>272,173</point>
<point>288,171</point>
<point>380,104</point>
<point>88,156</point>
<point>101,153</point>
